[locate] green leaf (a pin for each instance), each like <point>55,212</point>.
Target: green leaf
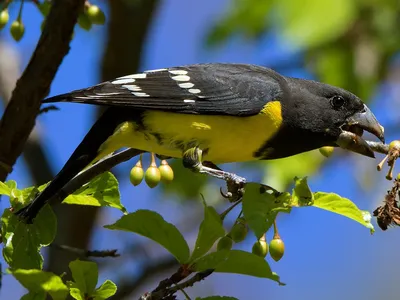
<point>23,241</point>
<point>343,206</point>
<point>74,291</point>
<point>217,298</point>
<point>12,184</point>
<point>105,291</point>
<point>100,191</point>
<point>301,194</point>
<point>34,296</point>
<point>38,282</point>
<point>152,225</point>
<point>241,262</point>
<point>260,208</point>
<point>4,189</point>
<point>209,261</point>
<point>85,275</point>
<point>298,20</point>
<point>210,230</point>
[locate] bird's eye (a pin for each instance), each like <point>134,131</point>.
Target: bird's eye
<point>338,102</point>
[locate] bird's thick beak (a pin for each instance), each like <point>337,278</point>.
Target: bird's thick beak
<point>352,130</point>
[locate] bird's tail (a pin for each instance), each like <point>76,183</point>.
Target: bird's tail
<point>84,154</point>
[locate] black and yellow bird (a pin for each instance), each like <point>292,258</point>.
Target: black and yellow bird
<point>214,113</point>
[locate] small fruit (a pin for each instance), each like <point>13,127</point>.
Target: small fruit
<point>84,22</point>
<point>276,248</point>
<point>238,232</point>
<point>136,175</point>
<point>4,18</point>
<point>326,151</point>
<point>152,176</point>
<point>17,30</point>
<point>225,243</point>
<point>398,176</point>
<point>260,248</point>
<point>96,15</point>
<point>167,174</point>
<point>394,145</point>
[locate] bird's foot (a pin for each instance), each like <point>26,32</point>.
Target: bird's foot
<point>235,184</point>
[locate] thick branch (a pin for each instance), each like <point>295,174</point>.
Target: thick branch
<point>20,114</point>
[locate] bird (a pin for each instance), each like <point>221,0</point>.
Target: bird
<point>213,113</point>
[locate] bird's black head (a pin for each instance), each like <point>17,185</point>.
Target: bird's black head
<point>316,115</point>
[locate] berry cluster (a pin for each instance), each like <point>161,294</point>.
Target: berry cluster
<point>153,174</point>
<point>90,15</point>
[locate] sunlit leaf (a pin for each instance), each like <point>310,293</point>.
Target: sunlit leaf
<point>38,283</point>
<point>210,230</point>
<point>4,189</point>
<point>343,206</point>
<point>298,19</point>
<point>100,191</point>
<point>152,225</point>
<point>85,275</point>
<point>105,291</point>
<point>301,194</point>
<point>260,208</point>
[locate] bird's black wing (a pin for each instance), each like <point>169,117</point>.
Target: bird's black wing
<point>220,89</point>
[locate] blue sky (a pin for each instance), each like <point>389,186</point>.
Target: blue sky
<point>327,256</point>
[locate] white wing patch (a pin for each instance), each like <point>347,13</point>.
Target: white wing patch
<point>181,78</point>
<point>132,87</point>
<point>123,81</point>
<point>194,91</point>
<point>178,72</point>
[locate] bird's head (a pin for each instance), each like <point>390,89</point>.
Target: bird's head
<point>316,115</point>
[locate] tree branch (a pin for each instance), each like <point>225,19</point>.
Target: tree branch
<point>87,253</point>
<point>20,114</point>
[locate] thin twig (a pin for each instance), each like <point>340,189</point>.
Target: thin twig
<point>19,116</point>
<point>87,253</point>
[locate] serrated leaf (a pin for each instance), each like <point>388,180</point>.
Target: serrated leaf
<point>209,261</point>
<point>100,191</point>
<point>152,225</point>
<point>241,262</point>
<point>343,206</point>
<point>217,298</point>
<point>4,189</point>
<point>210,230</point>
<point>12,184</point>
<point>105,291</point>
<point>38,282</point>
<point>301,194</point>
<point>260,208</point>
<point>85,275</point>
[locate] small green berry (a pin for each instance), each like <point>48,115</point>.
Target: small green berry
<point>326,151</point>
<point>394,145</point>
<point>84,22</point>
<point>96,15</point>
<point>260,248</point>
<point>136,175</point>
<point>276,248</point>
<point>167,174</point>
<point>238,232</point>
<point>225,243</point>
<point>4,18</point>
<point>17,30</point>
<point>152,176</point>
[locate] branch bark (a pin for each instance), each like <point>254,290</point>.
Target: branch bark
<point>20,114</point>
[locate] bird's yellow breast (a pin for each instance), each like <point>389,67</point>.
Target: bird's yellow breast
<point>226,138</point>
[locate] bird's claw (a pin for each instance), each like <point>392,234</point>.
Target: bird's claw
<point>235,188</point>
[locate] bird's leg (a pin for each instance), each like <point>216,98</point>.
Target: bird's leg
<point>192,159</point>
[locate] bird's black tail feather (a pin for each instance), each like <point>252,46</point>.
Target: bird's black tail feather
<point>84,154</point>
